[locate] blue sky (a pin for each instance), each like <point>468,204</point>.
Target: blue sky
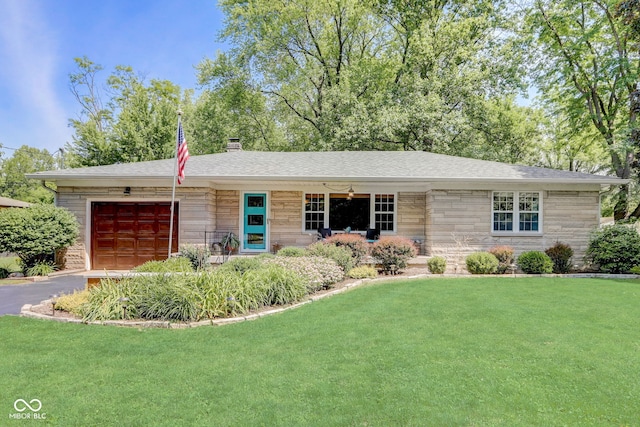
<point>162,39</point>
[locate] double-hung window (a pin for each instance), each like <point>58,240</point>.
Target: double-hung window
<point>516,211</point>
<point>357,212</point>
<point>313,211</point>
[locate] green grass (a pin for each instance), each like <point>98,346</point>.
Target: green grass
<point>455,352</point>
<point>10,263</point>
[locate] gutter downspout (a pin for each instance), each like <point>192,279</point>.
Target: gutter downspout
<point>55,193</point>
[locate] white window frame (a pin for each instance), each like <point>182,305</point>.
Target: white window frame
<point>516,214</point>
<point>372,211</point>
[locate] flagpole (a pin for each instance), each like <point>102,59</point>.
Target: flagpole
<point>173,190</point>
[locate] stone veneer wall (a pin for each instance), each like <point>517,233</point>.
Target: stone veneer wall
<point>412,217</point>
<point>197,212</point>
<point>459,223</point>
<point>286,220</point>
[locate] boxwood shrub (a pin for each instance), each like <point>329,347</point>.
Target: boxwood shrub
<point>482,263</point>
<point>535,262</point>
<point>437,265</point>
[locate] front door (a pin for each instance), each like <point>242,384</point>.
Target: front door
<point>255,221</point>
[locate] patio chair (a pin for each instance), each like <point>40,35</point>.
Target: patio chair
<point>372,235</point>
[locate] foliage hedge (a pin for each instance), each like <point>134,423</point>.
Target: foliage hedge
<point>561,255</point>
<point>505,256</point>
<point>34,233</point>
<point>437,265</point>
<point>393,250</point>
<point>171,265</point>
<point>198,255</point>
<point>482,263</point>
<point>342,255</point>
<point>535,262</point>
<point>363,272</point>
<point>355,242</point>
<point>614,249</point>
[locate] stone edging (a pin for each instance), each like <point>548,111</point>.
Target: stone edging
<point>26,310</point>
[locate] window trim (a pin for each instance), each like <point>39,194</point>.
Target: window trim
<point>372,211</point>
<point>516,214</point>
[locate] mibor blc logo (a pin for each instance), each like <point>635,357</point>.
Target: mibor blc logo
<point>28,410</point>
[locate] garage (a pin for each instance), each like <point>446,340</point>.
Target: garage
<point>127,234</point>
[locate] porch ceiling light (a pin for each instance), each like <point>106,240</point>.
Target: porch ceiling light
<point>348,189</point>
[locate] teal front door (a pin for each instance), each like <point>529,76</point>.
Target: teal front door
<point>255,221</point>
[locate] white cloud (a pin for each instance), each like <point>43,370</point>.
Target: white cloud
<point>28,52</point>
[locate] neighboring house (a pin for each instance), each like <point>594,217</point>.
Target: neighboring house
<point>6,202</point>
<point>450,206</point>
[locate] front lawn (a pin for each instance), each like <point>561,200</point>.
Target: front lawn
<point>472,351</point>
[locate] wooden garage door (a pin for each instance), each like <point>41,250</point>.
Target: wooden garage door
<point>127,234</point>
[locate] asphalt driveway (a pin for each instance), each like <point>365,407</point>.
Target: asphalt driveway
<point>13,297</point>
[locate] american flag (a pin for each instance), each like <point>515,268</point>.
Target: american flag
<point>183,153</point>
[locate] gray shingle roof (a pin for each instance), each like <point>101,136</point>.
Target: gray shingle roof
<point>334,165</point>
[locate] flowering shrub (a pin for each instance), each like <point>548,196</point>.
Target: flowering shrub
<point>358,245</point>
<point>319,272</point>
<point>340,254</point>
<point>393,250</point>
<point>505,257</point>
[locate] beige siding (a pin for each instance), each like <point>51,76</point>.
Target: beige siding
<point>197,212</point>
<point>411,220</point>
<point>459,223</point>
<point>286,219</point>
<point>227,212</point>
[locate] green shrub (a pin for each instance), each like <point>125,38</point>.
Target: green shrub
<point>437,265</point>
<point>635,269</point>
<point>41,268</point>
<point>11,264</point>
<point>168,297</point>
<point>363,272</point>
<point>355,242</point>
<point>318,272</point>
<point>104,301</point>
<point>4,273</point>
<point>505,256</point>
<point>535,262</point>
<point>198,255</point>
<point>393,250</point>
<point>292,251</point>
<point>561,255</point>
<point>278,285</point>
<point>342,255</point>
<point>73,302</point>
<point>482,263</point>
<point>170,265</point>
<point>614,249</point>
<point>242,264</point>
<point>36,232</point>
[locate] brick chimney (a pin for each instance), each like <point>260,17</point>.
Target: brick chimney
<point>234,145</point>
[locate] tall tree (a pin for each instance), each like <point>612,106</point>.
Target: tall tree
<point>15,185</point>
<point>378,74</point>
<point>588,70</point>
<point>137,122</point>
